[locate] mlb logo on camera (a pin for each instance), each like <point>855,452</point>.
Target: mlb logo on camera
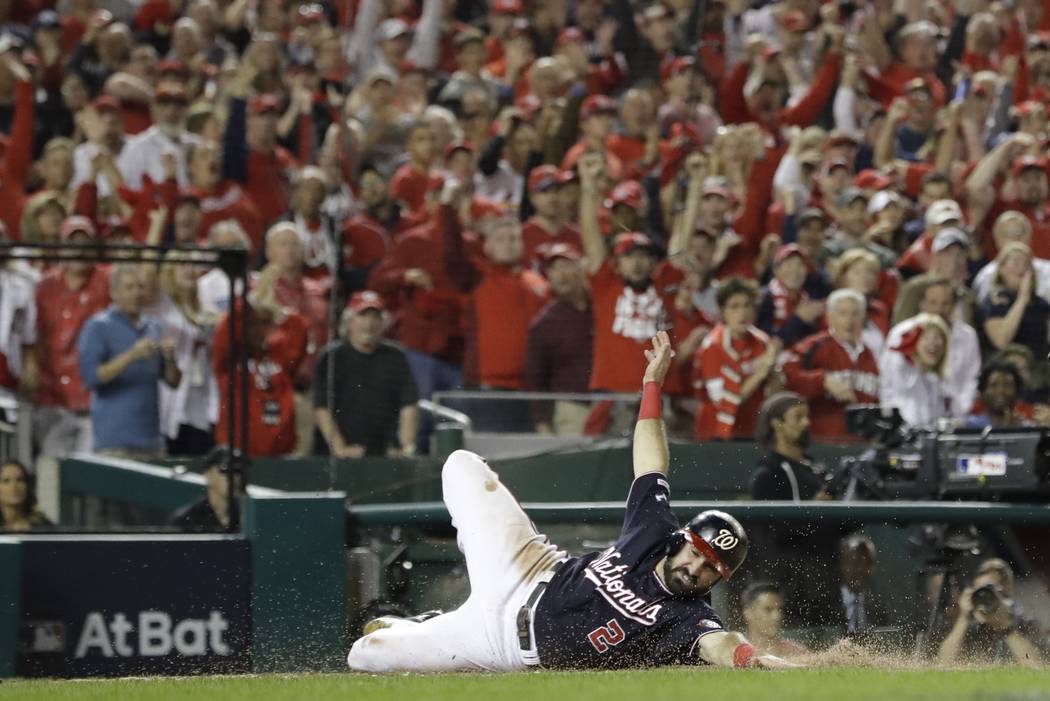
<point>982,465</point>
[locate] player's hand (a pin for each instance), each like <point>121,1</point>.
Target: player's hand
<point>773,662</point>
<point>659,358</point>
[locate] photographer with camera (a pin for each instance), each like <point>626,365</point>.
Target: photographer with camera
<point>991,623</point>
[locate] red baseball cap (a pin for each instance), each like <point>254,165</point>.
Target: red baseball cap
<point>629,193</point>
<point>308,14</point>
<point>794,21</point>
<point>1028,107</point>
<point>570,35</point>
<point>171,93</point>
<point>785,252</point>
<point>625,243</point>
<point>173,65</point>
<point>597,105</point>
<point>841,138</point>
<point>568,176</point>
<point>267,103</point>
<point>458,146</point>
<point>507,7</point>
<point>153,12</point>
<point>560,250</point>
<point>528,106</point>
<point>365,300</point>
<point>719,190</point>
<point>409,66</point>
<point>687,131</point>
<point>675,66</point>
<point>871,179</point>
<point>519,27</point>
<point>544,178</point>
<point>77,224</point>
<point>1023,163</point>
<point>105,103</point>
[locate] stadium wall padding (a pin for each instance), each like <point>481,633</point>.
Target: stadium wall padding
<point>10,603</point>
<point>299,583</point>
<point>592,473</point>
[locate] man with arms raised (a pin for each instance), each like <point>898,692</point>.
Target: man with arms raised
<point>641,602</point>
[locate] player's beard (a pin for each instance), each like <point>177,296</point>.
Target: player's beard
<point>680,582</point>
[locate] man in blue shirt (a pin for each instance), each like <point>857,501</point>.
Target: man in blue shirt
<point>122,358</point>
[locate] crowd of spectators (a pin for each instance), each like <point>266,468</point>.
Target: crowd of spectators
<point>847,200</point>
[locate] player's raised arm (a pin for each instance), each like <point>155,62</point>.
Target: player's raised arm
<point>650,438</point>
<point>731,649</point>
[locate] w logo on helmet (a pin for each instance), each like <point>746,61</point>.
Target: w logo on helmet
<point>725,540</point>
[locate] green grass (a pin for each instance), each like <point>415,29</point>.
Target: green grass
<point>846,684</point>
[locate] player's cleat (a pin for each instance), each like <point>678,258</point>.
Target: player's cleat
<point>380,623</point>
<point>390,621</point>
<point>425,616</point>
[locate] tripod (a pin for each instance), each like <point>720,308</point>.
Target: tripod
<point>945,549</point>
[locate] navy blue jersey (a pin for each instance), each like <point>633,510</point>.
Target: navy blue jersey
<point>609,610</point>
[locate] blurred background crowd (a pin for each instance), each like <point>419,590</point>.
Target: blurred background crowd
<point>848,200</point>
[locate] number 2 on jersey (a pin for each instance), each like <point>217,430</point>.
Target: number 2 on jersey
<point>607,636</point>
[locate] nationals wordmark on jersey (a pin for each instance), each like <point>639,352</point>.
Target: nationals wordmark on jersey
<point>607,577</point>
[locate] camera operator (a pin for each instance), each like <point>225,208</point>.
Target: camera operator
<point>785,473</point>
<point>991,624</point>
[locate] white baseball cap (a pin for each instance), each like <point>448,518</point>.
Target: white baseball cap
<point>882,199</point>
<point>950,237</point>
<point>943,211</point>
<point>392,28</point>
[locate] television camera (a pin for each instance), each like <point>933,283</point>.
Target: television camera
<point>1010,464</point>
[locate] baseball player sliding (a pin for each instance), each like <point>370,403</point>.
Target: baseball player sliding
<point>642,602</point>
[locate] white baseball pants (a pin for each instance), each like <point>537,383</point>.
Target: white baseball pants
<point>506,558</point>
